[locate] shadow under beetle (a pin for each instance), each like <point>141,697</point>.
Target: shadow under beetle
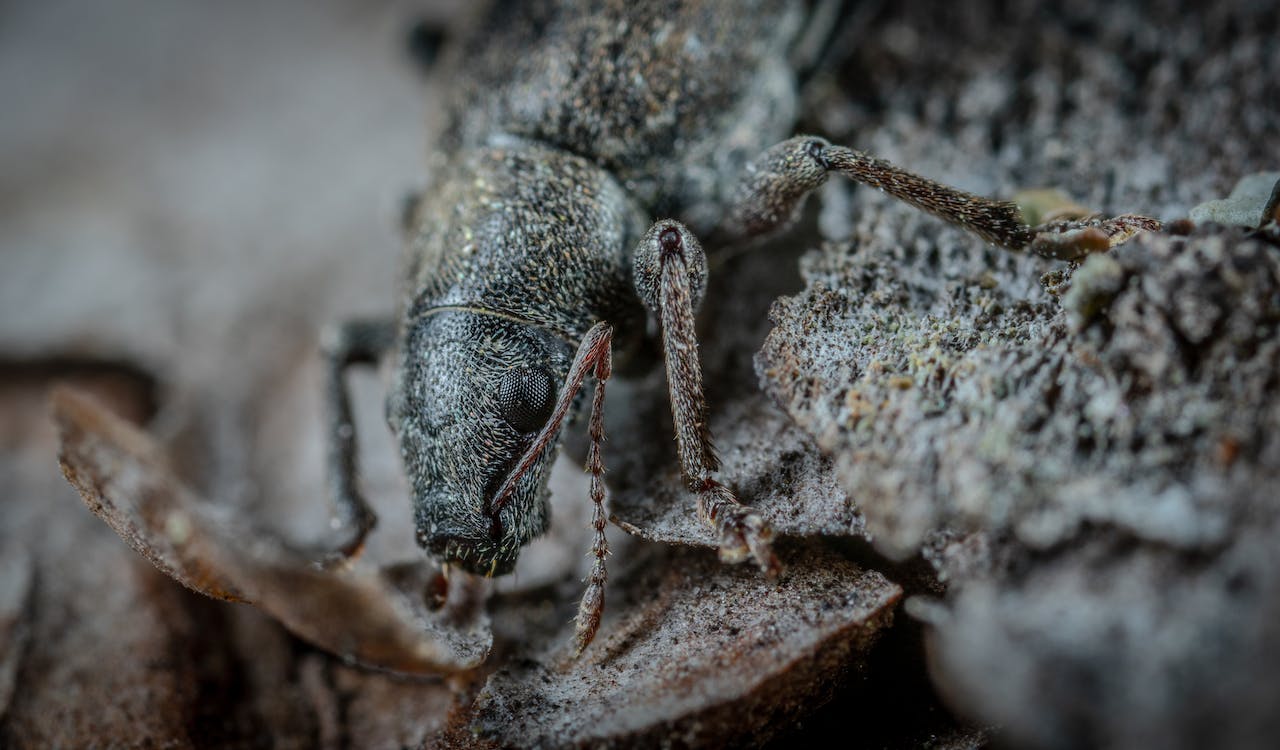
<point>534,257</point>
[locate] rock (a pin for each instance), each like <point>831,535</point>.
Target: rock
<point>1252,203</point>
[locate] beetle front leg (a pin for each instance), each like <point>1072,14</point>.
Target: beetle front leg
<point>779,180</point>
<point>671,277</point>
<point>352,342</point>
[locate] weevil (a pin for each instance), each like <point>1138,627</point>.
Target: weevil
<point>589,145</point>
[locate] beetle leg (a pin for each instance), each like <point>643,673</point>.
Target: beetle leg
<point>670,274</point>
<point>352,342</point>
<point>779,180</point>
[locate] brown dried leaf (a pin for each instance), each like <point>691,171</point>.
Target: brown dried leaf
<point>379,711</point>
<point>698,651</point>
<point>124,479</point>
<point>15,591</point>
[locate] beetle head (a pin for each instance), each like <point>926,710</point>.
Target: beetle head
<point>473,391</point>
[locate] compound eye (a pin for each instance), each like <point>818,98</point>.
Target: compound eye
<point>526,397</point>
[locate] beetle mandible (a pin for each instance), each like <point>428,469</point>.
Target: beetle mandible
<point>534,256</point>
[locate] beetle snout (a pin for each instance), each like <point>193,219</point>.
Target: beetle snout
<point>480,554</point>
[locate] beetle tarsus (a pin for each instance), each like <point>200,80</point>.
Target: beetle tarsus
<point>741,530</point>
<point>1074,239</point>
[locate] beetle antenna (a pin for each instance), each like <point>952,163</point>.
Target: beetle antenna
<point>595,346</point>
<point>591,608</point>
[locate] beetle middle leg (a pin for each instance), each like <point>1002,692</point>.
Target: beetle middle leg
<point>779,180</point>
<point>671,277</point>
<point>352,342</point>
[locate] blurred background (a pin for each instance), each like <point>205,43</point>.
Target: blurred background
<point>188,191</point>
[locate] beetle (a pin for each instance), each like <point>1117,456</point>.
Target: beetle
<point>589,144</point>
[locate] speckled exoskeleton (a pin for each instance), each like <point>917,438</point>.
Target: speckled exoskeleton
<point>535,256</point>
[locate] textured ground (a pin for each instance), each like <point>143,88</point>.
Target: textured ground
<point>1067,474</point>
<point>1087,456</point>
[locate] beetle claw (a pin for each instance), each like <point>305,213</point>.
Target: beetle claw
<point>741,530</point>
